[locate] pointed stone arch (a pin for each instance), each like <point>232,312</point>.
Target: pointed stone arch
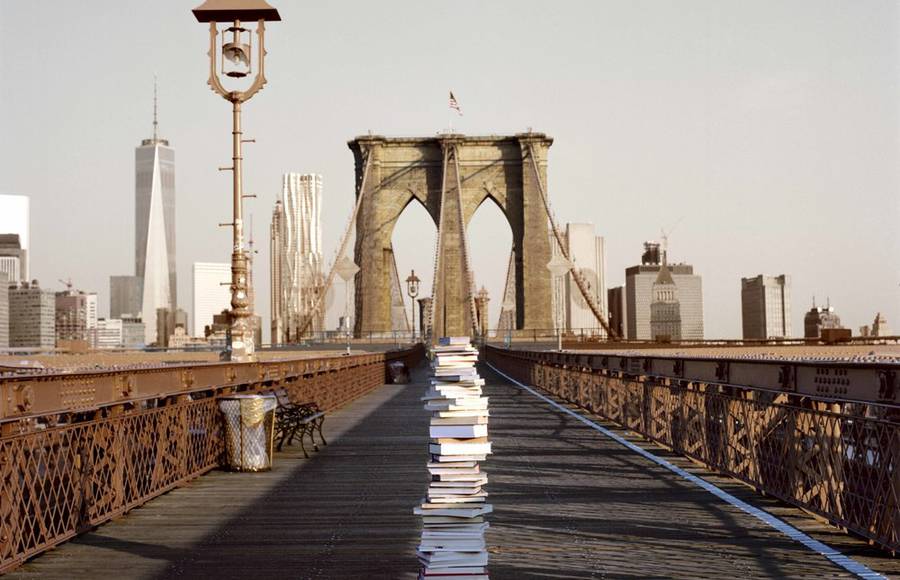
<point>495,167</point>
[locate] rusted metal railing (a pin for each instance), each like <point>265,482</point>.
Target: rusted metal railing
<point>838,459</point>
<point>79,449</point>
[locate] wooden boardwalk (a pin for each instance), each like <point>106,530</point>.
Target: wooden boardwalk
<point>569,503</point>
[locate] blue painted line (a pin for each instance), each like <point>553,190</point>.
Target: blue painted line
<point>845,562</point>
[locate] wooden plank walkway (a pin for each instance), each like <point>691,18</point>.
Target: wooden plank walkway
<point>569,503</point>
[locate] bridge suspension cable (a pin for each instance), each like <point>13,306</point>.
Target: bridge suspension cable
<point>342,248</point>
<point>438,282</point>
<point>469,279</point>
<point>429,314</point>
<point>596,310</point>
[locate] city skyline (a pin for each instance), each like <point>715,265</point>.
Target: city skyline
<point>765,131</point>
<point>640,195</point>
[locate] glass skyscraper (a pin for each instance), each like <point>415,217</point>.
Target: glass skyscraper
<point>766,306</point>
<point>154,220</point>
<point>297,241</point>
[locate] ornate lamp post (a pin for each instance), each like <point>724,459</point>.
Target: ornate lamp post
<point>412,289</point>
<point>236,46</point>
<point>558,267</point>
<point>481,308</point>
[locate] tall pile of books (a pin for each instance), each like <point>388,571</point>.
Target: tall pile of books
<point>453,525</point>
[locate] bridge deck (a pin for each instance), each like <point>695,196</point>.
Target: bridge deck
<point>569,503</point>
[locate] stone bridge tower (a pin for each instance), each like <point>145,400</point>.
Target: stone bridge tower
<point>393,172</point>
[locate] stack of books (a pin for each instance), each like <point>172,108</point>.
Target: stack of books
<point>453,523</point>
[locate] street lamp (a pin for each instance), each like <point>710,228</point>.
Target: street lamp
<point>346,269</point>
<point>559,267</point>
<point>481,310</point>
<point>236,47</point>
<point>412,289</point>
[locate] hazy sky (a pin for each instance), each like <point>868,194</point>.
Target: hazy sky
<point>770,129</point>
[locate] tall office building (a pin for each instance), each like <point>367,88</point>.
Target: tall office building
<point>15,219</point>
<point>76,315</point>
<point>92,304</point>
<point>13,258</point>
<point>167,320</point>
<point>588,255</point>
<point>617,310</point>
<point>766,307</point>
<point>154,220</point>
<point>639,281</point>
<point>665,308</point>
<point>32,316</point>
<point>298,243</point>
<point>211,293</point>
<point>133,333</point>
<point>4,311</point>
<point>880,326</point>
<point>124,296</point>
<point>109,334</point>
<point>276,292</point>
<point>819,318</point>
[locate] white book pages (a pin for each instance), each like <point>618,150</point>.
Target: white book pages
<point>450,458</point>
<point>444,405</point>
<point>466,413</point>
<point>451,520</point>
<point>452,491</point>
<point>428,575</point>
<point>464,464</point>
<point>441,482</point>
<point>459,420</point>
<point>458,511</point>
<point>479,382</point>
<point>456,546</point>
<point>457,558</point>
<point>454,499</point>
<point>457,431</point>
<point>460,449</point>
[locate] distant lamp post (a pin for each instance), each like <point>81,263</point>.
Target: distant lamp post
<point>236,47</point>
<point>481,309</point>
<point>412,289</point>
<point>346,269</point>
<point>558,267</point>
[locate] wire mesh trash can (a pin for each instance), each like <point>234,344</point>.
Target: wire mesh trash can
<point>398,372</point>
<point>249,431</point>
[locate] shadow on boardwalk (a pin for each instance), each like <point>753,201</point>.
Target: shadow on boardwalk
<point>569,503</point>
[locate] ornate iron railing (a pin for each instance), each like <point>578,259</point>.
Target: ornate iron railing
<point>75,466</point>
<point>837,459</point>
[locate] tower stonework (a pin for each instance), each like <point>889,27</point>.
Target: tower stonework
<point>465,171</point>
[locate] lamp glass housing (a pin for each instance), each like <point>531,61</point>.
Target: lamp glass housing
<point>412,284</point>
<point>237,48</point>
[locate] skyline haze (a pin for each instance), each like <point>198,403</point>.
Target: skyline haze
<point>768,132</point>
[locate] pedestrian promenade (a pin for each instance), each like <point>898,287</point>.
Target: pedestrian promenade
<point>569,503</point>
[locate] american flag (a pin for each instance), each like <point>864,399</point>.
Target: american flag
<point>454,104</point>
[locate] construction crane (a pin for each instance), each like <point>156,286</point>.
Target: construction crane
<point>67,283</point>
<point>665,236</point>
